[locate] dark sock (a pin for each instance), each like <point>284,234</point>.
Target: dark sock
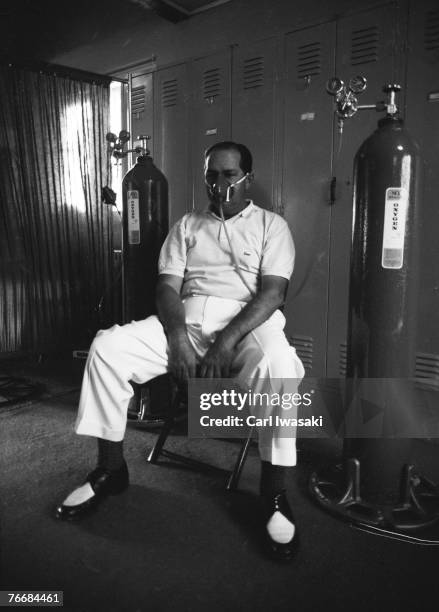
<point>273,478</point>
<point>110,454</point>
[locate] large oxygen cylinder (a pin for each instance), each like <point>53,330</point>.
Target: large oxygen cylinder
<point>145,226</point>
<point>382,302</point>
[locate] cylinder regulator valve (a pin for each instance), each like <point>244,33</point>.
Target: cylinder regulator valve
<point>390,106</point>
<point>116,145</point>
<point>346,98</point>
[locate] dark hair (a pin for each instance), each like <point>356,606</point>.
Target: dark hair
<point>246,161</point>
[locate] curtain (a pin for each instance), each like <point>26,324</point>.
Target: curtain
<point>55,232</point>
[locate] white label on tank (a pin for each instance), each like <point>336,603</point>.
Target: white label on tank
<point>394,228</point>
<point>133,217</point>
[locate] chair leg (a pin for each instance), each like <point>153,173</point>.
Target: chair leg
<point>233,480</point>
<point>165,430</point>
<point>158,446</point>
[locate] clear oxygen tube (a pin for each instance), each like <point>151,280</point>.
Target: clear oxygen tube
<point>215,191</point>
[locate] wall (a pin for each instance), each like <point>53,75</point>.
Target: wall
<point>137,35</point>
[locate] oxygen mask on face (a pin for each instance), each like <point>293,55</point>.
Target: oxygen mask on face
<point>222,192</point>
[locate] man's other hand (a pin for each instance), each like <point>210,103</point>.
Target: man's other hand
<point>218,360</point>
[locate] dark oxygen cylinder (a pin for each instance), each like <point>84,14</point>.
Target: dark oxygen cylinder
<point>382,303</point>
<point>145,226</point>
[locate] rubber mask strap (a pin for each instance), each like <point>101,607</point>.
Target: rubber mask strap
<point>234,185</point>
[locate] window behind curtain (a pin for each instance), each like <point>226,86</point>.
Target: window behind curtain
<point>55,232</point>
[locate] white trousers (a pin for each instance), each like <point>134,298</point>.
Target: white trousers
<point>138,351</point>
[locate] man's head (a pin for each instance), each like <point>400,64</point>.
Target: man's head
<point>228,174</point>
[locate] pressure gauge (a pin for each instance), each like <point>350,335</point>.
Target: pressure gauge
<point>334,86</point>
<point>358,84</point>
<point>124,136</point>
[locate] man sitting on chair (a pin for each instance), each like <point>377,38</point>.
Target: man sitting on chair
<point>223,275</point>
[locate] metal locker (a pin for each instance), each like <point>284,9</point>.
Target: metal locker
<point>254,104</point>
<point>171,136</point>
<point>210,111</point>
<point>422,120</point>
<point>368,44</point>
<point>306,181</point>
<point>141,105</point>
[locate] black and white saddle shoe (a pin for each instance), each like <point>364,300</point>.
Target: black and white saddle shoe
<point>280,529</point>
<point>99,484</point>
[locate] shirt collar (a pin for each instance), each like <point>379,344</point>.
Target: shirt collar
<point>244,213</point>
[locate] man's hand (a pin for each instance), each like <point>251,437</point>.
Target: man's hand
<point>218,359</point>
<point>182,359</point>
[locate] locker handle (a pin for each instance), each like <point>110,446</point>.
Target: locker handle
<point>332,190</point>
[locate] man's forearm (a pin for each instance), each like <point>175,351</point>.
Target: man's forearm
<point>181,355</point>
<point>170,310</point>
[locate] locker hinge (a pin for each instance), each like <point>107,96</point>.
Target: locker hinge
<point>332,190</point>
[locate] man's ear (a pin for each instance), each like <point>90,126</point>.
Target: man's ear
<point>249,179</point>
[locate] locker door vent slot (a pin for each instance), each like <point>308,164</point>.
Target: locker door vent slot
<point>211,83</point>
<point>253,73</point>
<point>169,93</point>
<point>309,60</point>
<point>304,346</point>
<point>343,359</point>
<point>431,30</point>
<point>137,100</point>
<point>364,49</point>
<point>427,371</point>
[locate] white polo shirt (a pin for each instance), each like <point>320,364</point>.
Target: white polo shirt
<point>197,249</point>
